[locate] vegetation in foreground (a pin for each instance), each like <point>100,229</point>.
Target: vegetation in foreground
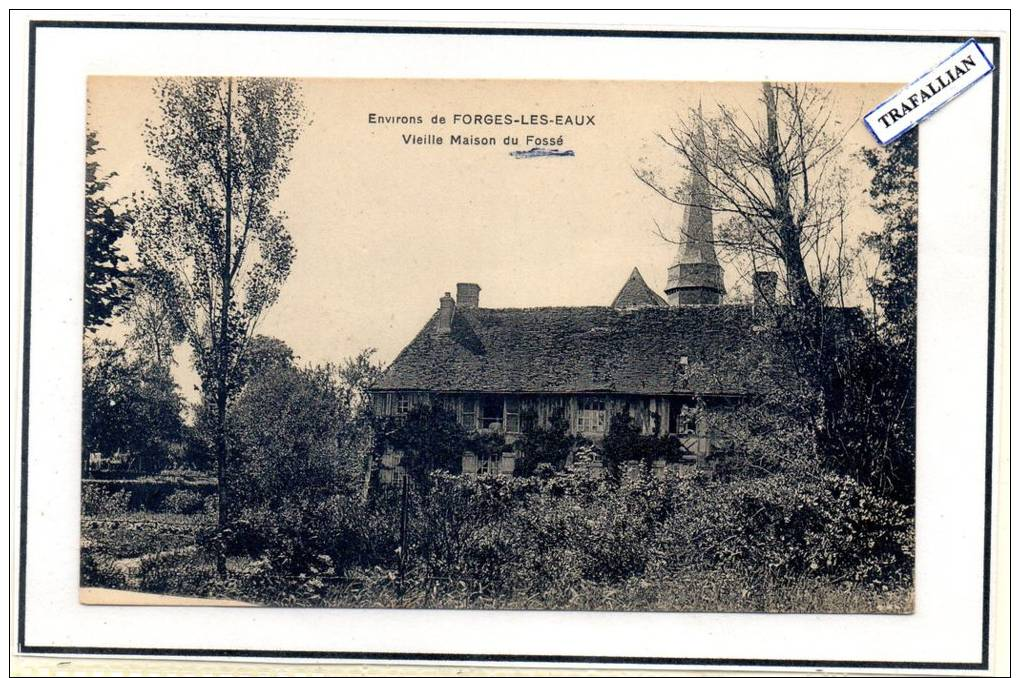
<point>568,540</point>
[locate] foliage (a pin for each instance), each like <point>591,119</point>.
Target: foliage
<point>524,536</point>
<point>185,502</point>
<point>100,501</point>
<point>625,443</point>
<point>107,276</point>
<point>187,571</point>
<point>154,331</point>
<point>218,142</point>
<point>868,431</point>
<point>262,355</point>
<point>560,540</point>
<point>208,238</point>
<point>301,438</point>
<point>783,526</point>
<point>893,194</point>
<point>128,407</point>
<point>140,533</point>
<point>97,569</point>
<point>430,439</point>
<point>285,429</point>
<point>547,447</point>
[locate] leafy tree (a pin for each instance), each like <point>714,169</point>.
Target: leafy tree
<point>207,234</point>
<point>299,442</point>
<point>284,436</point>
<point>107,277</point>
<point>153,331</point>
<point>262,355</point>
<point>429,438</point>
<point>893,194</point>
<point>129,407</point>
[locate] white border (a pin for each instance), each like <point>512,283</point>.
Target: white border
<point>952,328</point>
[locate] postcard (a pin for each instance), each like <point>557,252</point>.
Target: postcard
<point>616,352</point>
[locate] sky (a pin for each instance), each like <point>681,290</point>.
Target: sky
<point>383,228</point>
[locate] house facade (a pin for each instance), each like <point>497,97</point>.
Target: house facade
<point>660,360</point>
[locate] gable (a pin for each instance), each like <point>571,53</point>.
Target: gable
<point>636,293</point>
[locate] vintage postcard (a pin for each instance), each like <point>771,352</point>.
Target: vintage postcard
<point>498,345</point>
<point>682,353</point>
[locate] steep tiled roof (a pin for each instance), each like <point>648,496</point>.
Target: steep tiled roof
<point>635,293</point>
<point>584,349</point>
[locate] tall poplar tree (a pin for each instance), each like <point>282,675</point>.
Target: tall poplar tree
<point>213,248</point>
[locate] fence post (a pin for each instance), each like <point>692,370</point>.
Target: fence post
<point>403,536</point>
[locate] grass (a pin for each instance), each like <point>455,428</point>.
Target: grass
<point>692,591</point>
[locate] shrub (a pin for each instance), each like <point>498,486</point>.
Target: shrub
<point>624,443</point>
<point>97,500</point>
<point>97,569</point>
<point>430,438</point>
<point>548,447</point>
<point>129,538</point>
<point>785,526</point>
<point>185,502</point>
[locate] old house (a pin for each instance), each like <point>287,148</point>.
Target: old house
<point>501,369</point>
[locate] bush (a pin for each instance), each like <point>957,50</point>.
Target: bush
<point>97,569</point>
<point>185,502</point>
<point>624,443</point>
<point>782,526</point>
<point>548,447</point>
<point>97,500</point>
<point>430,438</point>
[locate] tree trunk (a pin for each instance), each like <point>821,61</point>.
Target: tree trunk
<point>797,282</point>
<point>224,339</point>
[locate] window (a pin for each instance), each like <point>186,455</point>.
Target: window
<point>467,414</point>
<point>683,419</point>
<point>403,404</point>
<point>489,463</point>
<point>512,408</point>
<point>591,415</point>
<point>492,413</point>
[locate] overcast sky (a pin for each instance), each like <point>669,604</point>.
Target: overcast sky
<point>382,229</point>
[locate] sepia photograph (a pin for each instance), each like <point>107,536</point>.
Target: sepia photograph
<point>482,344</point>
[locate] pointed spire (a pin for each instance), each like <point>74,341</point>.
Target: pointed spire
<point>695,276</point>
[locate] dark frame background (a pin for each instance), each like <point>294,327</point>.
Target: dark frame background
<point>220,654</point>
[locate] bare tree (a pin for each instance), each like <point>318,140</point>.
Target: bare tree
<point>774,177</point>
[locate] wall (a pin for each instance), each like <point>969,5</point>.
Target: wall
<point>651,413</point>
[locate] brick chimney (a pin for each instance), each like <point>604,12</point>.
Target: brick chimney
<point>467,295</point>
<point>447,306</point>
<point>765,287</point>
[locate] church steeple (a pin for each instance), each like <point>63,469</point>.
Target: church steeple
<point>695,277</point>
